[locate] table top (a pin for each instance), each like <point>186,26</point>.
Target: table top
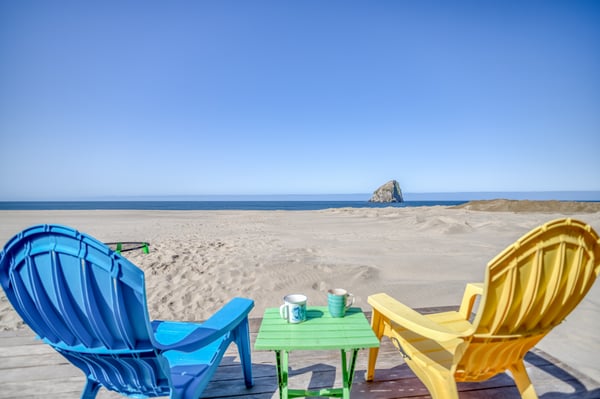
<point>320,331</point>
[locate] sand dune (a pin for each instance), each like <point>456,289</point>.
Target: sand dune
<point>504,205</point>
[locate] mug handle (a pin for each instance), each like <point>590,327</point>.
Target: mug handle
<point>351,297</point>
<point>284,309</point>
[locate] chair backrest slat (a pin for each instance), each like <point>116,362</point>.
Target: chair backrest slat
<point>46,306</point>
<point>28,308</point>
<point>529,298</point>
<point>122,322</point>
<point>91,305</point>
<point>67,306</point>
<point>505,291</point>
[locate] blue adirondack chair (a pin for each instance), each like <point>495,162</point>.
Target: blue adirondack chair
<point>89,303</point>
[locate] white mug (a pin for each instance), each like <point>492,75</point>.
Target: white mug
<point>294,308</point>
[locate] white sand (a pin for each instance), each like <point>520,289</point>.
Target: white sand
<point>198,260</point>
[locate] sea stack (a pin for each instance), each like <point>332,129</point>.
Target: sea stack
<point>389,192</point>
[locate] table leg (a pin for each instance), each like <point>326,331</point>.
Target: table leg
<point>282,373</point>
<point>347,377</point>
<point>348,372</point>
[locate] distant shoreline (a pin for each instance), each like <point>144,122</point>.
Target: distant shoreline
<point>211,205</point>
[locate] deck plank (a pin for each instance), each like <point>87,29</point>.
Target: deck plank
<point>30,369</point>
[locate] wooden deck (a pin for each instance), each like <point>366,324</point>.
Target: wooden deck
<point>30,369</point>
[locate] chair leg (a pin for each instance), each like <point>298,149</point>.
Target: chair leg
<point>522,380</point>
<point>378,328</point>
<point>242,340</point>
<point>91,389</point>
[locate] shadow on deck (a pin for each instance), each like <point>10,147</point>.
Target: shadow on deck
<point>30,369</point>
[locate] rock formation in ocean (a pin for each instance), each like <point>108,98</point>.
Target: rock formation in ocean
<point>389,192</point>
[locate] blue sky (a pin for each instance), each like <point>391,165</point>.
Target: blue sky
<point>125,98</point>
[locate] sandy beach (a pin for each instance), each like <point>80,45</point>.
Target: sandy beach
<point>423,256</point>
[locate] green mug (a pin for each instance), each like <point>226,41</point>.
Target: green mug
<point>339,300</point>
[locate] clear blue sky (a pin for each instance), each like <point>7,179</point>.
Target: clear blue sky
<point>121,98</point>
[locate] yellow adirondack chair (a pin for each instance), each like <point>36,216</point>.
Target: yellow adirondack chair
<point>529,288</point>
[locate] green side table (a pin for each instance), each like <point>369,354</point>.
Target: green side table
<point>320,331</point>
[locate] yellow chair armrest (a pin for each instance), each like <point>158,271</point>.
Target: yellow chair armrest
<point>404,316</point>
<point>472,290</point>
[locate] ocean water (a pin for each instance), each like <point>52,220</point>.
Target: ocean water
<point>290,202</point>
<point>209,205</point>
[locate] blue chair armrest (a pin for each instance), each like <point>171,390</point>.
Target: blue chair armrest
<point>194,335</point>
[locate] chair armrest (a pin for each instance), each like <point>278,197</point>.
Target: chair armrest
<point>410,319</point>
<point>195,335</point>
<point>472,290</point>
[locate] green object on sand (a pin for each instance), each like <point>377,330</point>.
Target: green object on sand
<point>129,246</point>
